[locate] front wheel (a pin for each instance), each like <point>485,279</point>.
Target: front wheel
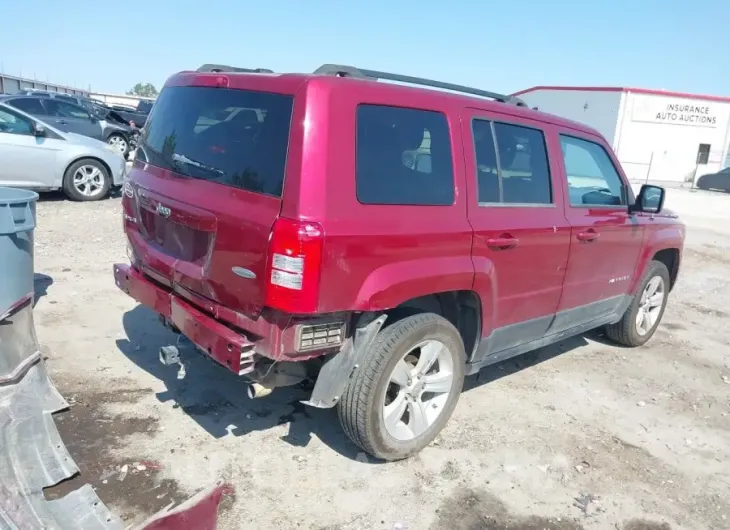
<point>645,311</point>
<point>86,180</point>
<point>120,143</point>
<point>406,387</point>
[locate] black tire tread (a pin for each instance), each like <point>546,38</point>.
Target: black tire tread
<point>353,408</point>
<point>623,331</point>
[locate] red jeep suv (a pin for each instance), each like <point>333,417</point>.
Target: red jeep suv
<point>383,240</point>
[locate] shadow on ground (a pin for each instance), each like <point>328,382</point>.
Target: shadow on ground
<point>216,398</point>
<point>60,196</point>
<point>41,283</point>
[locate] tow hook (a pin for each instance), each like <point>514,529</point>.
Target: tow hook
<point>170,355</point>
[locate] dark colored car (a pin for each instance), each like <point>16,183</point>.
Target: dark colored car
<point>715,181</point>
<point>70,117</point>
<point>144,106</point>
<point>81,101</point>
<point>383,240</point>
<point>130,115</point>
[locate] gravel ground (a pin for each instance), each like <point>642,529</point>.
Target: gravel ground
<point>580,435</point>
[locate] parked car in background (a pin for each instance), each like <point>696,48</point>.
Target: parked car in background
<point>145,106</point>
<point>81,101</point>
<point>34,155</point>
<point>416,237</point>
<point>69,117</point>
<point>130,115</point>
<point>715,181</point>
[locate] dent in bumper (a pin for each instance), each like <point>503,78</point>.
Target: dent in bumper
<point>216,340</point>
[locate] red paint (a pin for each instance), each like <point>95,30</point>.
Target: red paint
<point>200,512</point>
<point>367,257</point>
<point>667,93</point>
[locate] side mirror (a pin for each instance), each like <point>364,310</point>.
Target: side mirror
<point>93,119</point>
<point>650,199</point>
<point>38,129</point>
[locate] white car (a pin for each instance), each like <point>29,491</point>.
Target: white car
<point>36,156</point>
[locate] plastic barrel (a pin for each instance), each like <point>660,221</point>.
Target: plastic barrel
<point>17,222</point>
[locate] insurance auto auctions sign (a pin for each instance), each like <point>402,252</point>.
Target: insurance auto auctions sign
<point>675,111</point>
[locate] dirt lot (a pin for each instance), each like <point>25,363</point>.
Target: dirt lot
<point>580,435</point>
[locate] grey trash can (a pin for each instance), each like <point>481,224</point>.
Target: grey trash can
<point>17,222</point>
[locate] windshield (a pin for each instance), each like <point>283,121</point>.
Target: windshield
<point>237,138</point>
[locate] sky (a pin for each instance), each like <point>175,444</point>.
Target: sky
<point>500,46</point>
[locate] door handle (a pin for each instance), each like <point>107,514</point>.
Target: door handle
<point>503,242</point>
<point>62,122</point>
<point>587,235</point>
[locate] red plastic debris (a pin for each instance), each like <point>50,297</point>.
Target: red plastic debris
<point>199,512</point>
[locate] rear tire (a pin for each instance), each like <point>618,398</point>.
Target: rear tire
<point>645,312</point>
<point>397,381</point>
<point>86,180</point>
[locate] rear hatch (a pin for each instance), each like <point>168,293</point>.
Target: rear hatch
<point>206,188</point>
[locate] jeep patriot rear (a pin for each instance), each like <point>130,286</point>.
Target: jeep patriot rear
<point>383,240</point>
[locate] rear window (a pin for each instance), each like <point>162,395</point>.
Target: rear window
<point>403,157</point>
<point>237,138</point>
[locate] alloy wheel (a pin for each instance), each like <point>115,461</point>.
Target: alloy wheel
<point>418,389</point>
<point>88,180</point>
<point>650,305</point>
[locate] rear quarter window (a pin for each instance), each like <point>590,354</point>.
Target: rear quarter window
<point>403,157</point>
<point>237,138</point>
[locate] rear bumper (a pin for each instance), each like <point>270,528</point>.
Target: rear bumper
<point>227,347</point>
<point>231,339</point>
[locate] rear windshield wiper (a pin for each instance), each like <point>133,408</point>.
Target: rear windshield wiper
<point>190,162</point>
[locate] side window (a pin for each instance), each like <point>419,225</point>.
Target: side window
<point>521,173</point>
<point>13,124</point>
<point>403,157</point>
<point>62,109</point>
<point>29,105</point>
<point>486,160</point>
<point>592,177</point>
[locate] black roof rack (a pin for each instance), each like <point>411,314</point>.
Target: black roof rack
<point>224,68</point>
<point>360,73</point>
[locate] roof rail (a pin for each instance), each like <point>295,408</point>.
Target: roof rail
<point>224,68</point>
<point>339,70</point>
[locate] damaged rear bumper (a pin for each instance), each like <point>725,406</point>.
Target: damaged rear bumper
<point>219,342</point>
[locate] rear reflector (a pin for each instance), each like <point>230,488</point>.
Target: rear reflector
<point>295,251</point>
<point>319,336</point>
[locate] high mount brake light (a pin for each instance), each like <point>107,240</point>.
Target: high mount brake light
<point>293,272</point>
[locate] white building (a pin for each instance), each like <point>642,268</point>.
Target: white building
<point>657,135</point>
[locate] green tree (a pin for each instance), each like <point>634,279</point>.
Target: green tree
<point>145,90</point>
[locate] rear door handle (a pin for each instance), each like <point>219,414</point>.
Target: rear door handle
<point>587,235</point>
<point>503,242</point>
<point>62,122</point>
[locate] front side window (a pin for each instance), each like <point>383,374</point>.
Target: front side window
<point>29,105</point>
<point>403,157</point>
<point>592,178</point>
<point>11,123</point>
<point>520,174</point>
<point>238,138</point>
<point>61,109</point>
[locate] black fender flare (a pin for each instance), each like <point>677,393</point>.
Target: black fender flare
<point>339,368</point>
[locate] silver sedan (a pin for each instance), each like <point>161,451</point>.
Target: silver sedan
<point>34,155</point>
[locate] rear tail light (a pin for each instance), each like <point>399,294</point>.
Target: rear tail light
<point>295,257</point>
